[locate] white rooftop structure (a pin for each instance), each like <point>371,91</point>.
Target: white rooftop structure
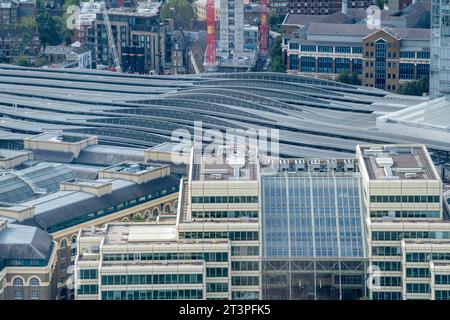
<point>427,120</point>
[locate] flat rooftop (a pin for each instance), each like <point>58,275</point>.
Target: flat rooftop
<point>55,137</point>
<point>391,162</point>
<point>123,234</point>
<point>238,168</point>
<point>132,168</point>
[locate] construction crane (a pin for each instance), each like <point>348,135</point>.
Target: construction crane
<point>111,43</point>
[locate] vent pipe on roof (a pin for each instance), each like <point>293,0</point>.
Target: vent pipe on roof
<point>344,7</point>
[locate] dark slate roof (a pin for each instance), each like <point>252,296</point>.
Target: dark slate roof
<point>362,30</point>
<point>70,211</point>
<point>24,242</point>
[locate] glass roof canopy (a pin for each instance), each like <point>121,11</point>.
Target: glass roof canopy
<point>312,216</point>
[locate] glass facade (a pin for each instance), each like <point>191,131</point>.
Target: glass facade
<point>313,236</point>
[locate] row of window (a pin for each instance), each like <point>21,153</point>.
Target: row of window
<point>405,214</point>
<point>152,295</point>
<point>442,295</point>
<point>386,251</point>
<point>413,54</point>
<point>225,199</point>
<point>18,295</point>
<point>387,295</point>
<point>390,281</point>
<point>388,265</point>
<point>406,199</point>
<point>223,214</point>
<point>312,48</point>
<point>399,235</point>
<point>152,279</point>
<point>244,265</point>
<point>207,256</point>
<point>417,288</point>
<point>417,272</point>
<point>88,274</point>
<point>18,282</point>
<point>245,251</point>
<point>232,235</point>
<point>88,289</point>
<point>245,281</point>
<point>217,287</point>
<point>425,257</point>
<point>349,279</point>
<point>442,279</point>
<point>217,272</point>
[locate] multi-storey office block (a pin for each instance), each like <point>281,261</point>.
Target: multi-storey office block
<point>403,202</point>
<point>147,262</point>
<point>221,201</point>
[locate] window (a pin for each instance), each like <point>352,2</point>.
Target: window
<point>34,282</point>
<point>18,282</point>
<point>34,295</point>
<point>18,295</point>
<point>342,49</point>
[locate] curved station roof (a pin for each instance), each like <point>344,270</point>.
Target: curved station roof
<point>316,118</point>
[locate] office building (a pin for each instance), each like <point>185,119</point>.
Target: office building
<point>440,49</point>
<point>407,228</point>
<point>313,231</point>
<point>27,263</point>
<point>382,58</point>
<point>211,250</point>
<point>147,262</point>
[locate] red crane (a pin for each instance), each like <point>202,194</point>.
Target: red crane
<point>264,28</point>
<point>210,33</point>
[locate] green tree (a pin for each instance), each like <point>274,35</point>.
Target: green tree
<point>49,28</point>
<point>22,61</point>
<point>181,11</point>
<point>277,64</point>
<point>28,23</point>
<point>350,78</point>
<point>275,21</point>
<point>415,88</point>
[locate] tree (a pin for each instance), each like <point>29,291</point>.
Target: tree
<point>28,23</point>
<point>275,21</point>
<point>181,11</point>
<point>277,64</point>
<point>49,28</point>
<point>22,61</point>
<point>416,88</point>
<point>350,78</point>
